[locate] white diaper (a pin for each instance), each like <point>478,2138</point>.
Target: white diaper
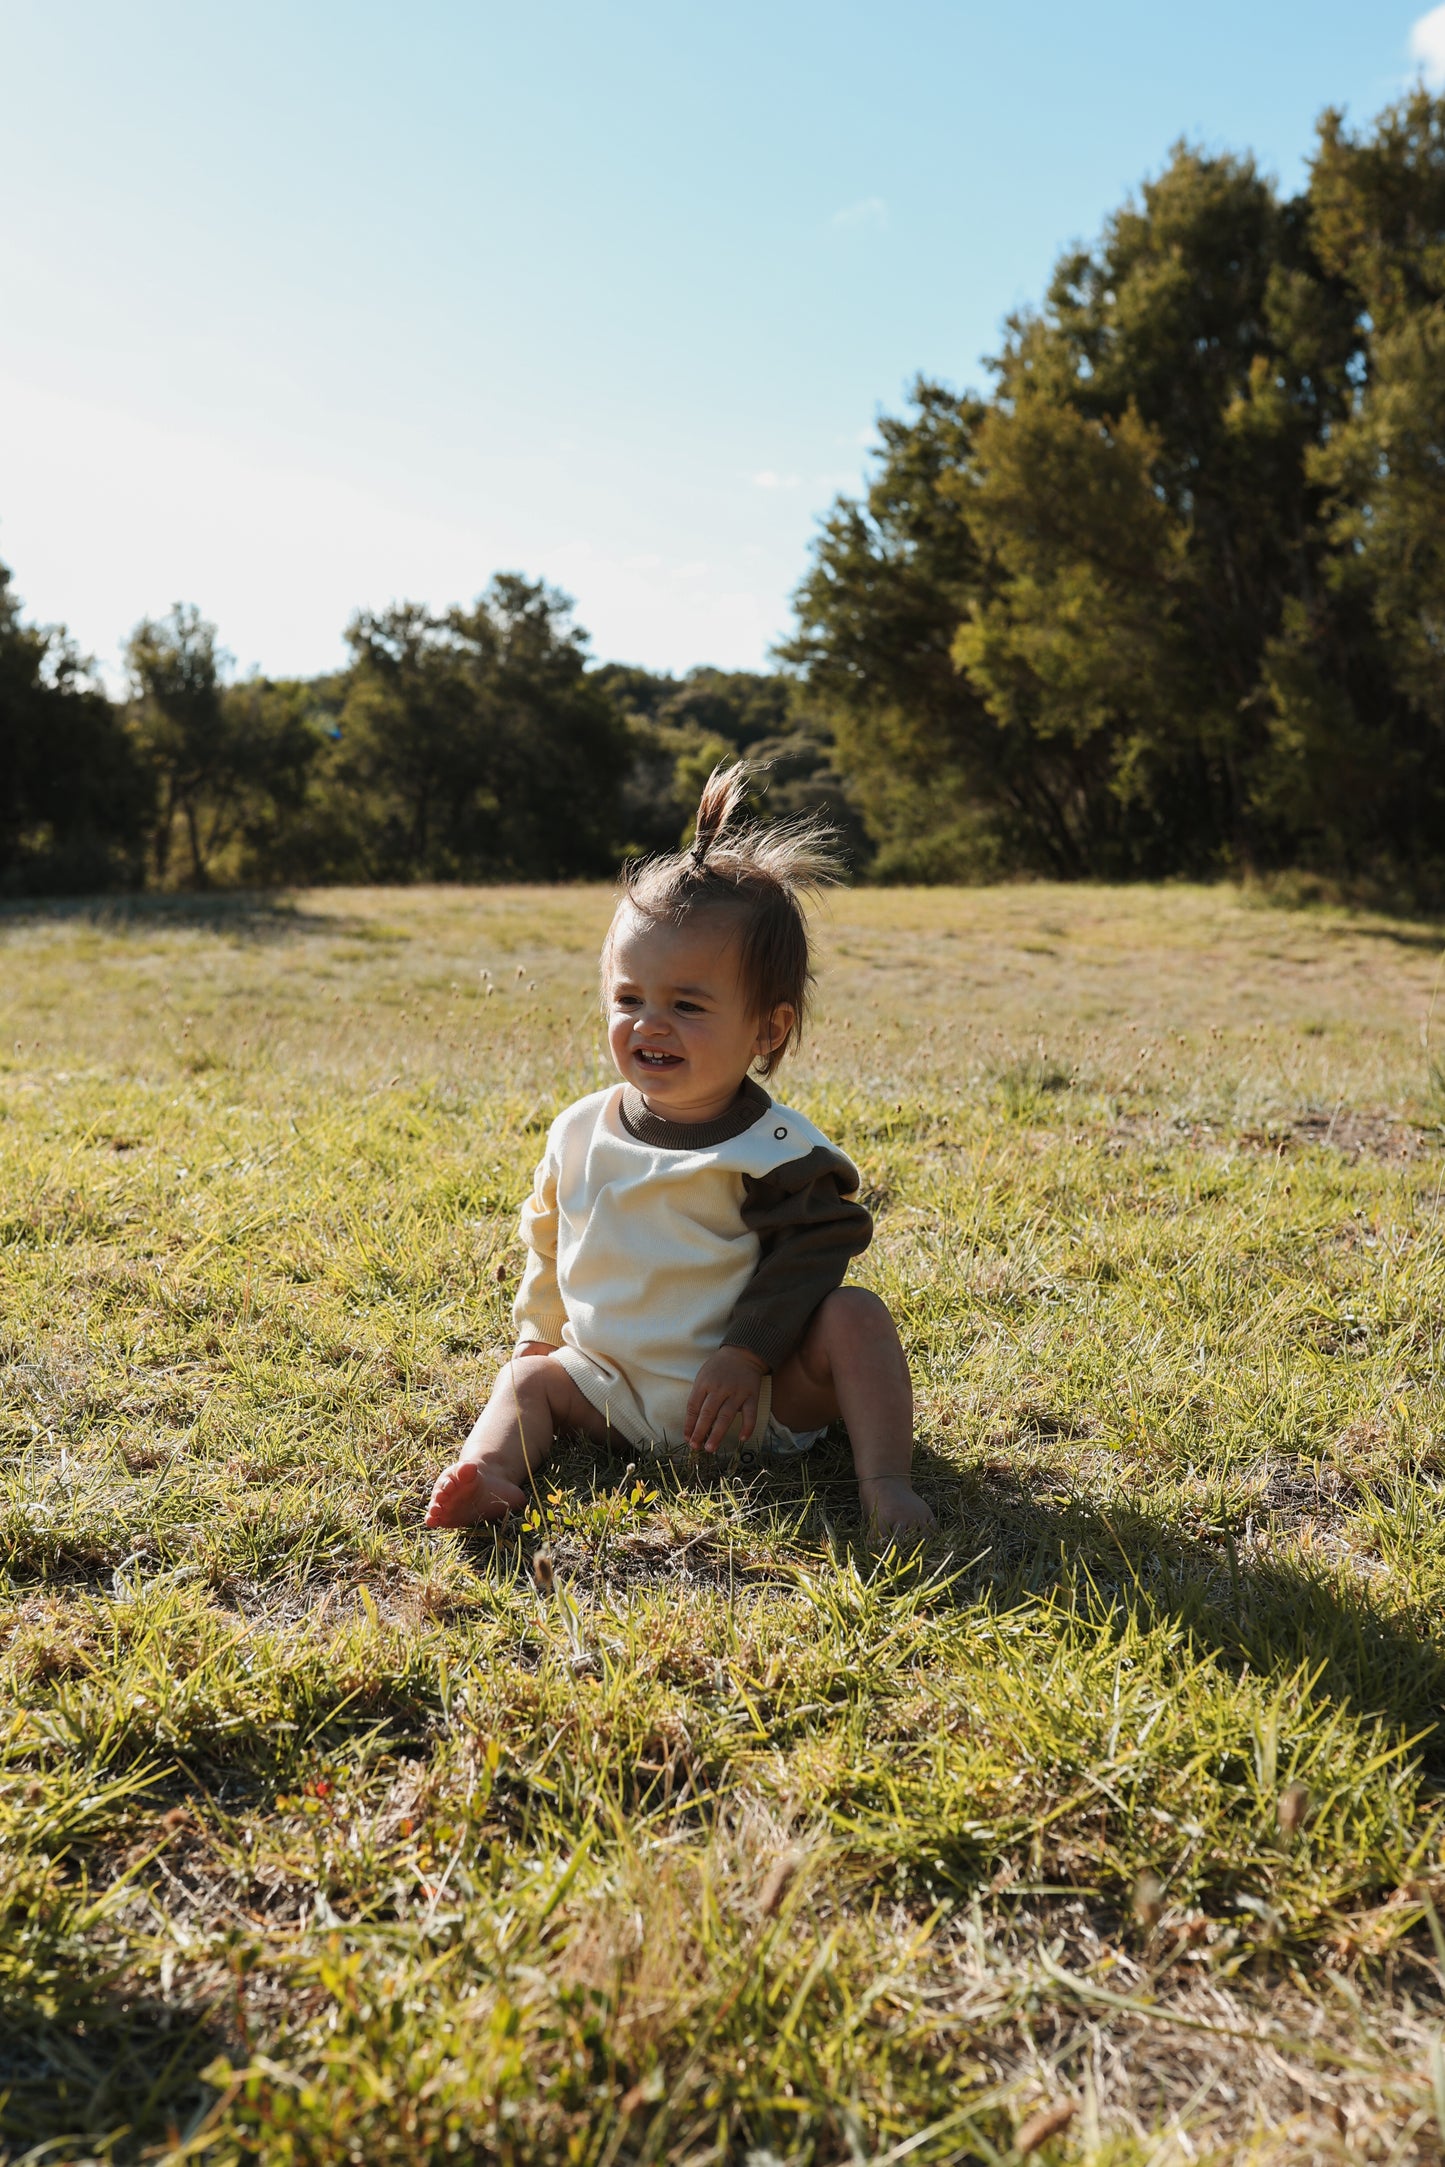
<point>778,1446</point>
<point>774,1446</point>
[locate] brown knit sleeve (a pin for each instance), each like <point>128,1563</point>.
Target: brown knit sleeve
<point>807,1215</point>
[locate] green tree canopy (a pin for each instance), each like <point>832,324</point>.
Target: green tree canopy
<point>679,728</point>
<point>474,745</point>
<point>73,799</point>
<point>1171,598</point>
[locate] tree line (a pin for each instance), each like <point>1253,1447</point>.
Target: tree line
<point>474,744</point>
<point>1170,598</point>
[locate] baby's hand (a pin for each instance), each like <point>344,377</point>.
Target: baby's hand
<point>725,1388</point>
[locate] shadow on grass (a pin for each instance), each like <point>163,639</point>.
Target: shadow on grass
<point>1273,1611</point>
<point>95,2074</point>
<point>1431,938</point>
<point>1418,914</point>
<point>240,914</point>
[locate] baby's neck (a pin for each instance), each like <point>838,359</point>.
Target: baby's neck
<point>697,1115</point>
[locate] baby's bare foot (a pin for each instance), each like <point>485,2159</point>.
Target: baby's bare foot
<point>892,1507</point>
<point>467,1492</point>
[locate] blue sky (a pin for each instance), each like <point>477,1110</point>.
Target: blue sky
<point>311,306</point>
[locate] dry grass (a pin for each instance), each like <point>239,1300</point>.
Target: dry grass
<point>1109,1830</point>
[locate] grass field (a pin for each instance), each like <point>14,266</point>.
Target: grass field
<point>1109,1828</point>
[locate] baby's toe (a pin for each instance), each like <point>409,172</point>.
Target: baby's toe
<point>460,1498</point>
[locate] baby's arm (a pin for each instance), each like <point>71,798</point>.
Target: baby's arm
<point>809,1225</point>
<point>833,1350</point>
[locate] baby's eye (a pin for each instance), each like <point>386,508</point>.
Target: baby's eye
<point>626,1000</point>
<point>689,1008</point>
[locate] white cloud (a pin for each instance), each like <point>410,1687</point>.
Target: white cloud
<point>670,617</point>
<point>767,479</point>
<point>871,215</point>
<point>1427,47</point>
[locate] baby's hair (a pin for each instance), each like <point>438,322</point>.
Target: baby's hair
<point>760,876</point>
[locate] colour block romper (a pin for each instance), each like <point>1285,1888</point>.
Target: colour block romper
<point>653,1243</point>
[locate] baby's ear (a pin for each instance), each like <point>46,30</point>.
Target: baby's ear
<point>776,1027</point>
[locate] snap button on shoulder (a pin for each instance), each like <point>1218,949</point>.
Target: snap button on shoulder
<point>780,1134</point>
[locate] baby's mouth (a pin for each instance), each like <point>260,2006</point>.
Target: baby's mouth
<point>656,1061</point>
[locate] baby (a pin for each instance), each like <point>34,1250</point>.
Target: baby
<point>688,1235</point>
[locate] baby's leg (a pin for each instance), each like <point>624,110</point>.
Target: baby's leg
<point>851,1364</point>
<point>532,1399</point>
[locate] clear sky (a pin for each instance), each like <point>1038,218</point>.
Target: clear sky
<point>308,306</point>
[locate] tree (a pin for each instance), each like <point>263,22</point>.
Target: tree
<point>230,762</point>
<point>1355,772</point>
<point>1379,213</point>
<point>679,728</point>
<point>73,799</point>
<point>178,724</point>
<point>1203,319</point>
<point>1173,598</point>
<point>892,579</point>
<point>474,744</point>
<point>279,733</point>
<point>1077,651</point>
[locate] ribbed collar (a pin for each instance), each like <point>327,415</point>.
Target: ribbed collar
<point>751,1103</point>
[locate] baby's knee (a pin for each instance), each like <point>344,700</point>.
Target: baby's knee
<point>533,1381</point>
<point>855,1315</point>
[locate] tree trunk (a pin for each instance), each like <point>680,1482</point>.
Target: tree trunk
<point>163,834</point>
<point>198,861</point>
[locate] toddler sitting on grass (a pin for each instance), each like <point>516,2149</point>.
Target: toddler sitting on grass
<point>688,1235</point>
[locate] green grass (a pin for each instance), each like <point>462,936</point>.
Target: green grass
<point>323,1839</point>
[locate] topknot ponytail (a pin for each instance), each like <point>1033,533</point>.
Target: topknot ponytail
<point>761,876</point>
<point>724,795</point>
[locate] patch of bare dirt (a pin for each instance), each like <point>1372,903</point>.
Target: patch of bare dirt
<point>1295,1490</point>
<point>1133,2036</point>
<point>1387,1137</point>
<point>1357,1135</point>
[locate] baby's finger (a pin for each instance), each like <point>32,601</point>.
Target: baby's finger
<point>700,1425</point>
<point>747,1417</point>
<point>723,1420</point>
<point>713,1427</point>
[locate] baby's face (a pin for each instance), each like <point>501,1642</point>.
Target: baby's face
<point>678,1025</point>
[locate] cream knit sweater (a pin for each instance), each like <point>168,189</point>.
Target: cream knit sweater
<point>653,1244</point>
